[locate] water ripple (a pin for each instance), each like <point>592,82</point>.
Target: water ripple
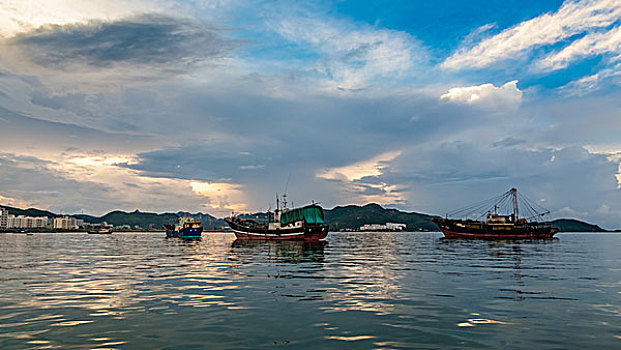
<point>382,291</point>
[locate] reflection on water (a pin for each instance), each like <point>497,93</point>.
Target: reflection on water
<point>280,251</point>
<point>389,290</point>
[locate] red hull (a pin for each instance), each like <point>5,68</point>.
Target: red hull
<point>452,234</point>
<point>285,237</point>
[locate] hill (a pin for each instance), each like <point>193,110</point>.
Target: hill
<point>30,212</point>
<point>135,218</point>
<point>151,220</point>
<point>351,217</point>
<point>573,225</point>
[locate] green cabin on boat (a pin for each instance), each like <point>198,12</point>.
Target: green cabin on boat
<point>311,214</point>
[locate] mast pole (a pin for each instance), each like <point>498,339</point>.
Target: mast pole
<point>515,204</point>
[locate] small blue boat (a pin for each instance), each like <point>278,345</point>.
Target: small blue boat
<point>186,228</point>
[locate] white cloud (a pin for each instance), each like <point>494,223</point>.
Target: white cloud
<point>488,96</point>
<point>358,170</point>
<point>223,197</point>
<point>589,45</point>
<point>574,17</point>
<point>592,82</point>
<point>18,16</point>
<point>99,182</point>
<point>353,56</point>
<point>357,180</point>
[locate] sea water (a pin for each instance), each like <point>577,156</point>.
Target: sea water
<point>356,290</point>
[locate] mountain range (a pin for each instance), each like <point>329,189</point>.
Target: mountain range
<point>349,217</point>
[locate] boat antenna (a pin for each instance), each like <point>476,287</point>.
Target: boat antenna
<point>287,183</point>
<point>284,196</point>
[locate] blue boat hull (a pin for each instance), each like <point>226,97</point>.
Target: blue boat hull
<point>185,233</point>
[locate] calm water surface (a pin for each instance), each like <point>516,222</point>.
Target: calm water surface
<point>388,291</point>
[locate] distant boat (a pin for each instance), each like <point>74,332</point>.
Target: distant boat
<point>499,226</point>
<point>100,231</point>
<point>305,223</point>
<point>187,227</point>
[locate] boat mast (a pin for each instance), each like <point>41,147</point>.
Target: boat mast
<point>515,204</point>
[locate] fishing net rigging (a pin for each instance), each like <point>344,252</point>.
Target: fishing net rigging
<point>508,203</point>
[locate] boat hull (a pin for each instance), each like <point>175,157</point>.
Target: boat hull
<point>306,233</point>
<point>508,235</point>
<point>102,232</point>
<point>478,230</point>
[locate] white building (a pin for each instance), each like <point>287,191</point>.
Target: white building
<point>67,223</point>
<point>22,221</point>
<point>372,227</point>
<point>75,222</point>
<point>389,226</point>
<point>395,226</point>
<point>4,218</point>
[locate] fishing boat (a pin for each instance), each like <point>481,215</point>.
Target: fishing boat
<point>100,231</point>
<point>502,220</point>
<point>306,223</point>
<point>187,227</point>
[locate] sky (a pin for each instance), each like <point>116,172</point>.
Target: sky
<point>217,105</point>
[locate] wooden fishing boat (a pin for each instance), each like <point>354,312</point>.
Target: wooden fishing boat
<point>497,225</point>
<point>305,223</point>
<point>100,231</point>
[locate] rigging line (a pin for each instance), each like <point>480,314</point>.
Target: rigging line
<point>477,209</point>
<point>475,205</point>
<point>497,205</point>
<point>487,207</point>
<point>534,203</point>
<point>528,203</point>
<point>535,212</point>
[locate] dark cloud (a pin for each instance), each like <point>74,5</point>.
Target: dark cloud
<point>29,179</point>
<point>148,39</point>
<point>19,132</point>
<point>509,142</point>
<point>567,180</point>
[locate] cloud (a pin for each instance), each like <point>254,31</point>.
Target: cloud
<point>46,138</point>
<point>488,96</point>
<point>572,18</point>
<point>97,183</point>
<point>222,196</point>
<point>14,202</point>
<point>141,40</point>
<point>360,181</point>
<point>590,45</point>
<point>358,170</point>
<point>353,56</point>
<point>18,16</point>
<point>509,142</point>
<point>452,175</point>
<point>585,85</point>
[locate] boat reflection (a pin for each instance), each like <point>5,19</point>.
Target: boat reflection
<point>282,251</point>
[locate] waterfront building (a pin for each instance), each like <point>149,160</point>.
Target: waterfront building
<point>75,222</point>
<point>389,226</point>
<point>395,226</point>
<point>22,221</point>
<point>67,223</point>
<point>4,217</point>
<point>372,227</point>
